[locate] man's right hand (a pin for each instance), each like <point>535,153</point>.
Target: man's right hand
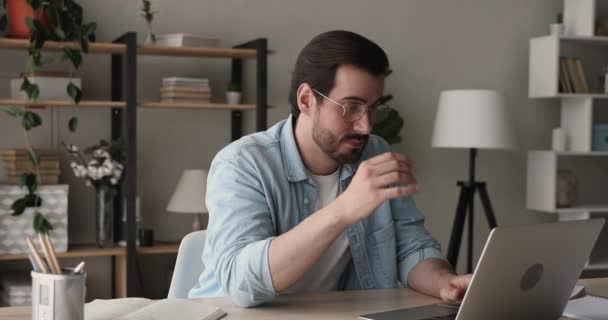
<point>374,182</point>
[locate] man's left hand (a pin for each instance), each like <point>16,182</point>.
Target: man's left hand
<point>454,286</point>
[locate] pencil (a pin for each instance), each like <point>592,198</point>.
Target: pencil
<point>36,255</point>
<point>49,243</point>
<point>47,253</point>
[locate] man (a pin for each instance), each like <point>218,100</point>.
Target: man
<point>316,202</point>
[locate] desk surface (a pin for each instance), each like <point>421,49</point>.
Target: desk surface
<point>328,305</point>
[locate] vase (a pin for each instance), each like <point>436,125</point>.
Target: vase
<point>104,226</point>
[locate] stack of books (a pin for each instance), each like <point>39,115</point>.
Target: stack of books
<point>16,289</point>
<point>16,163</point>
<point>572,76</point>
<point>185,90</point>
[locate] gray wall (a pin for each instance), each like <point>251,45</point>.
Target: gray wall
<point>433,45</point>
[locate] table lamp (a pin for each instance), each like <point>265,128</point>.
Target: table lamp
<point>471,119</point>
<point>189,196</point>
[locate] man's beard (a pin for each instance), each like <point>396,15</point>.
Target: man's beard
<point>329,144</point>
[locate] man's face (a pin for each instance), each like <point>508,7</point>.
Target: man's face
<point>341,140</point>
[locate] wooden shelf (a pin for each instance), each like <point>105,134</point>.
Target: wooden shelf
<point>583,208</point>
<point>64,103</point>
<point>153,50</point>
<point>91,250</point>
<point>210,106</point>
<point>94,47</point>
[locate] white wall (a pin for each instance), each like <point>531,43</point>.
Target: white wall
<point>433,45</point>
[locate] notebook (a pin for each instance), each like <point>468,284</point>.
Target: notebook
<point>587,308</point>
<point>141,308</point>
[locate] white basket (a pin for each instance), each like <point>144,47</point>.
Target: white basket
<point>13,229</point>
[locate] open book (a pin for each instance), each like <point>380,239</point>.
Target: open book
<point>141,308</point>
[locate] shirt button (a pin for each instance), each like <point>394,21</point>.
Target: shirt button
<point>305,200</point>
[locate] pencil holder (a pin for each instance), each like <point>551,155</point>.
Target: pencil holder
<point>58,296</point>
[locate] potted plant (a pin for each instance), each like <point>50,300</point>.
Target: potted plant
<point>557,28</point>
<point>65,23</point>
<point>388,122</point>
<point>233,95</point>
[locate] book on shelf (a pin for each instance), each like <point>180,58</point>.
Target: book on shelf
<point>186,40</point>
<point>564,76</point>
<point>186,82</point>
<point>43,172</point>
<point>24,152</point>
<point>206,89</point>
<point>573,70</point>
<point>188,95</point>
<point>24,158</point>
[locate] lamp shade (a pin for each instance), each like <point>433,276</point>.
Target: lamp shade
<point>473,119</point>
<point>189,194</point>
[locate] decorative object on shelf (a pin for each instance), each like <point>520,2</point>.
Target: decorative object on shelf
<point>52,85</point>
<point>122,239</point>
<point>186,40</point>
<point>557,28</point>
<point>148,15</point>
<point>566,191</point>
<point>559,140</point>
<point>189,196</point>
<point>53,208</point>
<point>471,119</point>
<point>103,171</point>
<point>233,94</point>
<point>185,90</point>
<point>146,237</point>
<point>600,137</point>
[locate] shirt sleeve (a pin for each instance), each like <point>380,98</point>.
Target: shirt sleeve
<point>240,231</point>
<point>414,243</point>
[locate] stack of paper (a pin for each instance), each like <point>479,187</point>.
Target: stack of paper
<point>186,40</point>
<point>587,308</point>
<point>190,90</point>
<point>17,162</point>
<point>140,309</point>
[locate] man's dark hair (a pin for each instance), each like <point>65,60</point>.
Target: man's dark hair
<point>321,57</point>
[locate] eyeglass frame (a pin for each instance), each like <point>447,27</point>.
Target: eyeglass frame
<point>345,108</point>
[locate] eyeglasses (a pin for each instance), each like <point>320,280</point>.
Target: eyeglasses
<point>353,111</point>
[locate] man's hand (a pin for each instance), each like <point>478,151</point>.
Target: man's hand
<point>453,287</point>
<point>370,185</point>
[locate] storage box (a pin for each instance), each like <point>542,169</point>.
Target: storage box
<point>13,229</point>
<point>186,40</point>
<point>51,87</point>
<point>600,137</point>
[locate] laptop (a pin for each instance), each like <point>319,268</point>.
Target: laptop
<point>525,272</point>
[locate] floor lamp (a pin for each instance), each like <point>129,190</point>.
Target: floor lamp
<point>471,119</point>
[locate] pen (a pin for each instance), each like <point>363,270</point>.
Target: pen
<point>52,252</point>
<point>46,250</point>
<point>35,266</point>
<point>79,267</point>
<point>36,255</point>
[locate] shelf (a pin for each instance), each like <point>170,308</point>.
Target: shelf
<point>581,153</point>
<point>91,250</point>
<point>583,208</point>
<point>210,106</point>
<point>153,50</point>
<point>94,47</point>
<point>572,95</point>
<point>64,103</point>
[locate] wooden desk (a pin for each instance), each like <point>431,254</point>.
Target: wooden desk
<point>119,254</point>
<point>329,305</point>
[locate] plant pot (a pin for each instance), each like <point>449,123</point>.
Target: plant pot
<point>18,11</point>
<point>556,29</point>
<point>233,97</point>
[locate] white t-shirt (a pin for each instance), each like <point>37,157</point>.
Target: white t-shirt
<point>326,272</point>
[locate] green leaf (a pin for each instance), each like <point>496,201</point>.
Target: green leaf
<point>30,120</point>
<point>73,124</point>
<point>32,200</point>
<point>388,125</point>
<point>33,92</point>
<point>29,21</point>
<point>74,92</point>
<point>36,4</point>
<point>18,207</point>
<point>25,84</point>
<point>15,112</point>
<point>33,157</point>
<point>41,225</point>
<point>74,56</point>
<point>29,181</point>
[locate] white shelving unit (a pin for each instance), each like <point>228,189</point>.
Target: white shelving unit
<point>579,112</point>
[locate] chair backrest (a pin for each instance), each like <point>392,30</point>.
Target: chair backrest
<point>188,265</point>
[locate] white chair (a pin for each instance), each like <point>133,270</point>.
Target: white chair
<point>188,265</point>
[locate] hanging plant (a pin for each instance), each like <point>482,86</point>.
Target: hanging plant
<point>388,122</point>
<point>64,24</point>
<point>148,15</point>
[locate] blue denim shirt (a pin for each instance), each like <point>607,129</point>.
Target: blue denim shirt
<point>258,189</point>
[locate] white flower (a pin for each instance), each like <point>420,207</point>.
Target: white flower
<point>88,183</point>
<point>113,181</point>
<point>82,171</point>
<point>93,163</point>
<point>74,165</point>
<point>94,172</point>
<point>72,148</point>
